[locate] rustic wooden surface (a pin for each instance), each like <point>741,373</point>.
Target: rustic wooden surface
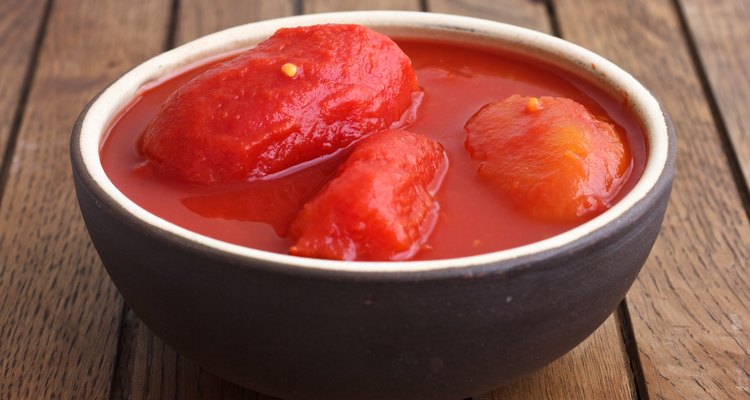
<point>720,31</point>
<point>196,18</point>
<point>681,334</point>
<point>690,303</point>
<point>21,25</point>
<point>59,313</point>
<point>315,6</point>
<point>529,14</point>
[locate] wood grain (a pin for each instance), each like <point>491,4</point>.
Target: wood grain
<point>59,313</point>
<point>197,17</point>
<point>317,6</point>
<point>690,304</point>
<point>20,24</point>
<point>721,32</point>
<point>525,13</point>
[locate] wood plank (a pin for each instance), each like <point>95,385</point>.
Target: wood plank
<point>721,31</point>
<point>317,6</point>
<point>20,25</point>
<point>691,301</point>
<point>59,313</point>
<point>528,14</point>
<point>198,18</point>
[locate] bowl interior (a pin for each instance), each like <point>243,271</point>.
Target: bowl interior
<point>412,25</point>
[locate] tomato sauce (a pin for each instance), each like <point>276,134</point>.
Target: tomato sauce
<point>474,218</point>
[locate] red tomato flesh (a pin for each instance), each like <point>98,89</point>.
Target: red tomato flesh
<point>456,80</point>
<point>553,158</point>
<point>379,206</point>
<point>302,94</point>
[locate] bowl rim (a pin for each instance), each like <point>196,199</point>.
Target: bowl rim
<point>96,117</point>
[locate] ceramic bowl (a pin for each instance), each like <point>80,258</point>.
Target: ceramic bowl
<point>301,328</point>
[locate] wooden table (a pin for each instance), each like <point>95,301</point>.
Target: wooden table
<point>682,333</point>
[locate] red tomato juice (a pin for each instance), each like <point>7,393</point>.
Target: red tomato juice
<point>474,218</point>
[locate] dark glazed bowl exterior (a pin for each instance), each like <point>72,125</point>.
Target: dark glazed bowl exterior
<point>333,330</point>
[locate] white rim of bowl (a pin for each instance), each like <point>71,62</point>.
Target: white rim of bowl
<point>404,23</point>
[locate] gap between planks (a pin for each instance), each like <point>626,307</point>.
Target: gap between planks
<point>733,158</point>
<point>28,79</point>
